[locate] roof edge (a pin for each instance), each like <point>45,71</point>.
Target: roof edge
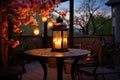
<point>112,2</point>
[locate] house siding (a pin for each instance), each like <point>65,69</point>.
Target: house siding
<point>116,22</point>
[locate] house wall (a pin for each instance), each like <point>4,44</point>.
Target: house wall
<point>116,22</point>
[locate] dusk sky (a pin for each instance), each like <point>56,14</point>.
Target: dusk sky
<point>65,5</point>
<point>76,4</point>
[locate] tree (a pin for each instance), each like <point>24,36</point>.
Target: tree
<point>101,25</point>
<point>15,13</point>
<point>87,14</point>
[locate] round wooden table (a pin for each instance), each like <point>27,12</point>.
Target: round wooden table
<point>43,53</point>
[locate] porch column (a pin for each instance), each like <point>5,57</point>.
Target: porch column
<point>71,23</point>
<point>45,37</point>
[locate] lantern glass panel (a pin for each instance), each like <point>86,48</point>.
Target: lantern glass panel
<point>64,39</point>
<point>57,40</point>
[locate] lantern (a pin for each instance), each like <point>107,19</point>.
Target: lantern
<point>44,18</point>
<point>59,36</point>
<point>36,31</point>
<point>50,24</point>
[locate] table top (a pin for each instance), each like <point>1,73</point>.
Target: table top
<point>46,52</point>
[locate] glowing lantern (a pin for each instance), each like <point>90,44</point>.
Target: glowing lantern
<point>36,31</point>
<point>44,18</point>
<point>59,36</point>
<point>50,24</point>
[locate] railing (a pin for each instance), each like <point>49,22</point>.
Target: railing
<point>29,42</point>
<point>36,41</point>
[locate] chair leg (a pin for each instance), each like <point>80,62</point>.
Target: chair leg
<point>103,77</point>
<point>74,75</point>
<point>77,76</point>
<point>95,77</point>
<point>20,77</point>
<point>64,67</point>
<point>81,76</point>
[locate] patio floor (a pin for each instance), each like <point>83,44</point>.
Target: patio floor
<point>34,72</point>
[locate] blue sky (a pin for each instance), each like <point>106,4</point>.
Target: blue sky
<point>76,4</point>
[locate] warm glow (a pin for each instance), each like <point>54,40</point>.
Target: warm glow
<point>50,24</point>
<point>44,18</point>
<point>57,43</point>
<point>65,42</point>
<point>36,31</point>
<point>88,57</point>
<point>59,54</point>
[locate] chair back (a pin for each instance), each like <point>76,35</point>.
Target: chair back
<point>94,45</point>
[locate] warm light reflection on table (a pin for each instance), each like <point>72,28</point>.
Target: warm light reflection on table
<point>47,52</point>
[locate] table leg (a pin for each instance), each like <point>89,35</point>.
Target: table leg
<point>59,68</point>
<point>44,69</point>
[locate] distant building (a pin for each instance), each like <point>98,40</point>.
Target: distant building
<point>115,7</point>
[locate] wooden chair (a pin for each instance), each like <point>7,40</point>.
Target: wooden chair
<point>92,44</point>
